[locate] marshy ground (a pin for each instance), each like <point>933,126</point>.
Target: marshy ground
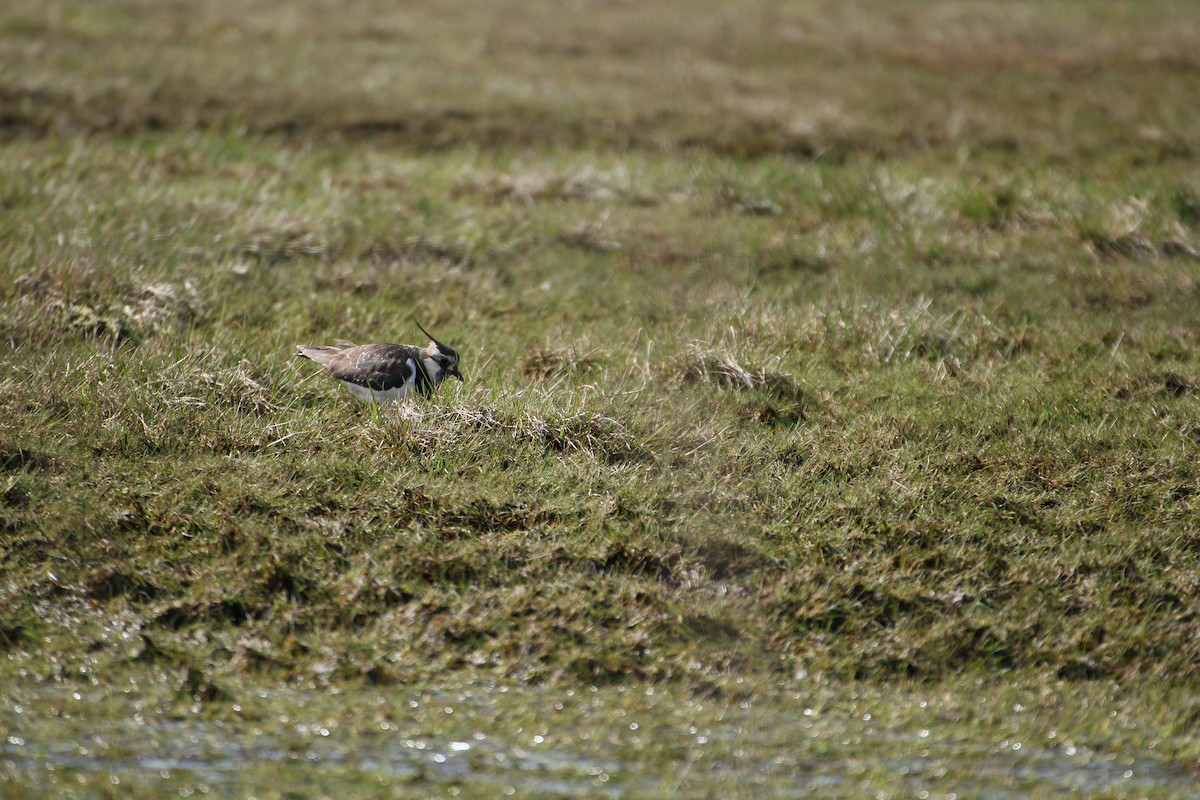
<point>827,358</point>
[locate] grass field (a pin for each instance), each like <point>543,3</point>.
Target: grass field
<point>810,348</point>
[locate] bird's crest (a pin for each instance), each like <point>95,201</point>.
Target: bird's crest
<point>442,347</point>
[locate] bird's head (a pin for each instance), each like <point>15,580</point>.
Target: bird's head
<point>443,356</point>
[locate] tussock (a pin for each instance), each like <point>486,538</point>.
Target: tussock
<point>587,184</point>
<point>700,365</point>
<point>160,307</point>
<point>201,381</point>
<point>553,362</point>
<point>423,249</point>
<point>882,335</point>
<point>284,244</point>
<point>1139,248</point>
<point>239,390</point>
<point>436,428</point>
<point>163,306</point>
<point>590,237</point>
<point>712,366</point>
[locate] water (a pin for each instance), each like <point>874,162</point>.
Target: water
<point>529,742</point>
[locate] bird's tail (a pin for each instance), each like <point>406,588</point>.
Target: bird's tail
<point>322,354</point>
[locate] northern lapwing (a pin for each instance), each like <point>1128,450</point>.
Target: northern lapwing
<point>383,373</point>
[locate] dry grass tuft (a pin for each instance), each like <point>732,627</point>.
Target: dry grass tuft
<point>156,308</point>
<point>437,427</point>
<point>534,186</point>
<point>238,389</point>
<point>555,362</point>
<point>1140,248</point>
<point>590,236</point>
<point>285,244</point>
<point>711,366</point>
<point>708,366</point>
<point>165,306</point>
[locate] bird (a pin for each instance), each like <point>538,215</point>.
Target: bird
<point>384,373</point>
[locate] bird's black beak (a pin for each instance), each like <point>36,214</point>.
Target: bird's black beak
<point>454,371</point>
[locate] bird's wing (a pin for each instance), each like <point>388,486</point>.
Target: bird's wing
<point>377,366</point>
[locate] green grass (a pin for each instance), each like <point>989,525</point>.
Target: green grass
<point>846,348</point>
